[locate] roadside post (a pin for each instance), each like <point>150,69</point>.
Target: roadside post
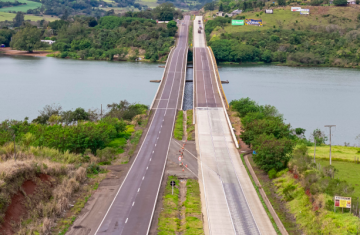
<point>172,183</point>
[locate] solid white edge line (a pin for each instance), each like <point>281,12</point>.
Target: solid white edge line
<point>162,175</point>
<point>126,220</point>
<point>156,94</point>
<point>203,179</point>
<point>222,101</point>
<point>142,144</point>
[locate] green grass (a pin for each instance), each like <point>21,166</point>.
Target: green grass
<point>193,223</point>
<point>341,153</point>
<point>321,221</point>
<point>190,127</point>
<point>348,171</point>
<point>168,220</point>
<point>10,16</point>
<point>345,17</point>
<point>149,3</point>
<point>288,223</point>
<point>23,8</point>
<point>179,128</point>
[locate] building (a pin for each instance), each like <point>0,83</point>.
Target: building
<point>48,41</point>
<point>236,12</point>
<point>220,13</point>
<point>351,2</point>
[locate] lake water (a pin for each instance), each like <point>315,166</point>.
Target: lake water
<point>308,97</point>
<point>27,84</point>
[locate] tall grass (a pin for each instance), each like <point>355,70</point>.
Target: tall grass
<point>341,153</point>
<point>190,127</point>
<point>193,223</point>
<point>320,221</point>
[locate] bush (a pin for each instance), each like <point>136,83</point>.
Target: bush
<point>272,173</point>
<point>340,2</point>
<point>244,106</point>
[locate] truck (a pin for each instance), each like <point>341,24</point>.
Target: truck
<point>199,21</point>
<point>199,30</point>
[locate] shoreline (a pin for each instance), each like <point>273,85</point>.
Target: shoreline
<point>285,65</point>
<point>9,51</point>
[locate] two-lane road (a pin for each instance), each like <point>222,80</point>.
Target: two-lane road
<point>133,206</point>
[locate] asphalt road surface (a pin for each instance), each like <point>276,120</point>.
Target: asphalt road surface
<point>133,206</point>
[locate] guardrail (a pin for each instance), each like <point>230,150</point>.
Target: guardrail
<point>166,67</point>
<point>218,76</point>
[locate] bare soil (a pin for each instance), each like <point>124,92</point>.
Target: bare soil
<point>9,51</point>
<point>17,209</point>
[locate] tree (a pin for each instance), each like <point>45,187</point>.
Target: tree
<point>319,137</point>
<point>221,8</point>
<point>266,56</point>
<point>244,106</point>
<point>27,39</point>
<point>19,19</point>
<point>283,2</point>
<point>209,6</point>
<point>172,27</point>
<point>340,2</point>
<point>47,112</point>
<point>272,153</point>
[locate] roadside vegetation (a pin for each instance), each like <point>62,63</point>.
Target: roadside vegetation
<point>326,37</point>
<point>181,213</point>
<point>179,126</point>
<point>53,164</point>
<point>301,188</point>
<point>190,127</point>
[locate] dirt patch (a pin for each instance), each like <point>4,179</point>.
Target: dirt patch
<point>17,209</point>
<point>8,51</point>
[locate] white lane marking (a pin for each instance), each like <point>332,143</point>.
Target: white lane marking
<point>126,220</point>
<point>138,189</point>
<point>133,203</point>
<point>147,168</point>
<point>150,159</point>
<point>153,151</point>
<point>155,145</point>
<point>143,177</point>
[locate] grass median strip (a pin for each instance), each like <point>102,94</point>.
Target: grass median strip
<point>189,124</point>
<point>193,222</point>
<point>179,128</point>
<point>169,217</point>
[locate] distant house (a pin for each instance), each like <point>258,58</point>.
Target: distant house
<point>48,41</point>
<point>236,12</point>
<point>220,13</point>
<point>351,2</point>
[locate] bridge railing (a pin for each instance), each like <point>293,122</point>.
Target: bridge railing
<point>218,77</point>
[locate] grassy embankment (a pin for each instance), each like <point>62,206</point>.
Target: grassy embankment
<point>179,126</point>
<point>302,208</point>
<point>344,17</point>
<point>169,221</point>
<point>310,220</point>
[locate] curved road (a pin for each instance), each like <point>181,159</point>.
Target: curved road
<point>133,206</point>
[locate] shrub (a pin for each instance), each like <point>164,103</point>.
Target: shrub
<point>272,173</point>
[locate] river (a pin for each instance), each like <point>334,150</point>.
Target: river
<point>30,83</point>
<point>308,97</point>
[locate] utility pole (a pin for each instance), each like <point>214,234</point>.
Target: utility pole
<point>101,113</point>
<point>330,138</point>
<point>314,149</point>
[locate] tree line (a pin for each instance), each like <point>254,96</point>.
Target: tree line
<point>324,47</point>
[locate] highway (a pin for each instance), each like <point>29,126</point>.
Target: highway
<point>232,205</point>
<point>132,209</point>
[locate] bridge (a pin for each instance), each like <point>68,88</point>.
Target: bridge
<point>229,201</point>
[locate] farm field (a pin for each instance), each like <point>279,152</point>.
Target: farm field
<point>348,171</point>
<point>337,152</point>
<point>10,16</point>
<point>149,3</point>
<point>23,8</point>
<point>345,17</point>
